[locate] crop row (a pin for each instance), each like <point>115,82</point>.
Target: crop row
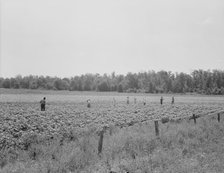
<point>23,123</point>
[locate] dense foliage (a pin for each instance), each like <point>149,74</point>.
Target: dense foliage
<point>200,81</point>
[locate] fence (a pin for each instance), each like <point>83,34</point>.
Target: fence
<point>163,121</point>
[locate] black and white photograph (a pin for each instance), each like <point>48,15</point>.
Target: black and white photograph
<point>111,86</point>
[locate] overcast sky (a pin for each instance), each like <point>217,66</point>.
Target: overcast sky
<point>71,37</point>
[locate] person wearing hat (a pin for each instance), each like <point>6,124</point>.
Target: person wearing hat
<point>42,104</point>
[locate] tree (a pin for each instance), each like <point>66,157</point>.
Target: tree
<point>14,83</point>
<point>207,82</point>
<point>132,81</point>
<point>103,86</point>
<point>6,83</point>
<point>1,81</point>
<point>61,84</point>
<point>120,88</point>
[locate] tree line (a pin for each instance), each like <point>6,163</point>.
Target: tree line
<point>199,81</point>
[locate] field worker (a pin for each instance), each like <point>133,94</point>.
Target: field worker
<point>114,101</point>
<point>172,100</point>
<point>161,100</point>
<point>88,103</point>
<point>144,101</point>
<point>42,104</point>
<point>127,100</point>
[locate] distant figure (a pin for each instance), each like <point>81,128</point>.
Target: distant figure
<point>135,100</point>
<point>161,100</point>
<point>144,101</point>
<point>114,101</point>
<point>172,102</point>
<point>42,104</point>
<point>88,103</point>
<point>127,100</point>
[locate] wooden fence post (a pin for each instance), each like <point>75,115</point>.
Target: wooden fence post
<point>100,144</point>
<point>194,117</point>
<point>218,117</point>
<point>156,127</point>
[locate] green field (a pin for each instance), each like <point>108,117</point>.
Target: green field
<point>65,136</point>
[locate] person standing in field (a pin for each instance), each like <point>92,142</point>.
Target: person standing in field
<point>114,101</point>
<point>144,102</point>
<point>88,103</point>
<point>42,104</point>
<point>127,100</point>
<point>161,100</point>
<point>172,102</point>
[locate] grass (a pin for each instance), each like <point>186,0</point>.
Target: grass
<point>181,147</point>
<point>28,95</point>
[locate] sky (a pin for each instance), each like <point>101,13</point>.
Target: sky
<point>65,38</point>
